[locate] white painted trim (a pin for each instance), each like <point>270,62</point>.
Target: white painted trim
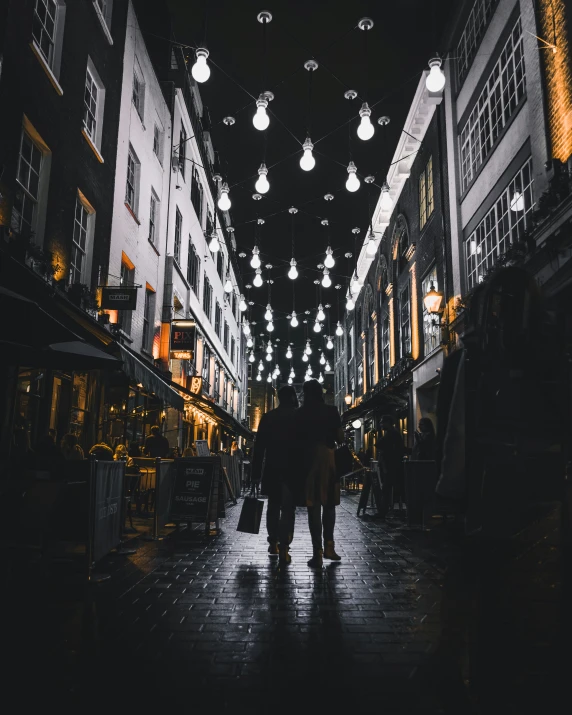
<point>46,67</point>
<point>102,22</point>
<point>92,146</point>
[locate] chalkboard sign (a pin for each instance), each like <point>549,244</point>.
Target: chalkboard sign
<point>194,493</point>
<point>202,448</point>
<point>372,481</point>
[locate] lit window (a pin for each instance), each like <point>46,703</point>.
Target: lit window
<point>81,230</point>
<point>405,322</point>
<point>178,234</point>
<point>153,217</point>
<point>426,193</point>
<point>25,207</point>
<point>131,188</point>
<point>503,225</point>
<point>500,96</point>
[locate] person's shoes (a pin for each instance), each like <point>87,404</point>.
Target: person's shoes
<point>316,561</point>
<point>329,552</point>
<point>273,548</point>
<point>284,556</point>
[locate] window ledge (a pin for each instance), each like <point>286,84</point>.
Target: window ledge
<point>92,146</point>
<point>180,272</point>
<point>102,22</point>
<point>153,246</point>
<point>138,113</point>
<point>132,214</point>
<point>46,67</point>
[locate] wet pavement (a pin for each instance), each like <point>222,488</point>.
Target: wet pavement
<point>408,622</point>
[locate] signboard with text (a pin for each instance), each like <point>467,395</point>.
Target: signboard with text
<point>118,298</point>
<point>193,489</point>
<point>183,334</point>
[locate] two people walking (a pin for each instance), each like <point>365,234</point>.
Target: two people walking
<point>294,461</point>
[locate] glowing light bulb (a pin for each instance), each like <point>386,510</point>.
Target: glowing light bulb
<point>249,342</point>
<point>269,347</point>
<point>339,329</point>
<point>269,378</point>
<point>356,424</point>
<point>293,272</point>
<point>329,259</point>
<point>261,120</point>
<point>251,357</point>
<point>262,184</point>
<point>321,378</point>
<point>246,327</point>
<point>259,377</point>
<point>268,314</point>
<point>371,247</point>
<point>317,327</point>
<point>304,358</point>
<point>366,129</point>
<point>308,348</point>
<point>257,278</point>
<point>288,353</point>
<point>350,305</point>
<point>517,201</point>
<point>289,380</point>
<point>326,280</point>
<point>328,367</point>
<point>270,326</point>
<point>242,304</point>
<point>224,202</point>
<point>435,80</point>
<point>228,286</point>
<point>255,260</point>
<point>213,245</point>
<point>200,70</point>
<point>268,357</point>
<point>321,315</point>
<point>294,321</point>
<point>329,344</point>
<point>309,370</point>
<point>322,359</point>
<point>353,183</point>
<point>385,201</point>
<point>307,162</point>
<point>355,285</point>
<point>292,373</point>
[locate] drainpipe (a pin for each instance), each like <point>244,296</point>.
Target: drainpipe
<point>445,330</point>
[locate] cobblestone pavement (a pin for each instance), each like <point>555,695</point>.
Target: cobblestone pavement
<point>408,622</point>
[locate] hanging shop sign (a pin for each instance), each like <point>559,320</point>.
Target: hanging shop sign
<point>118,298</point>
<point>183,335</point>
<point>196,386</point>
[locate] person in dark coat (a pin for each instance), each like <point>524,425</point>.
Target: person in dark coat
<point>271,468</point>
<point>156,445</point>
<point>424,440</point>
<point>391,451</point>
<point>318,429</point>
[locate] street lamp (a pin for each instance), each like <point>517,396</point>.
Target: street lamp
<point>432,300</point>
<point>348,399</point>
<point>356,424</point>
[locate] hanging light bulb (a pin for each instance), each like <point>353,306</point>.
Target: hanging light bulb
<point>200,70</point>
<point>259,377</point>
<point>385,201</point>
<point>321,315</point>
<point>304,358</point>
<point>321,378</point>
<point>366,129</point>
<point>355,285</point>
<point>322,359</point>
<point>269,378</point>
<point>350,305</point>
<point>356,424</point>
<point>309,370</point>
<point>268,357</point>
<point>260,365</point>
<point>307,162</point>
<point>228,285</point>
<point>269,347</point>
<point>249,342</point>
<point>289,380</point>
<point>261,120</point>
<point>242,304</point>
<point>371,246</point>
<point>293,272</point>
<point>330,344</point>
<point>292,373</point>
<point>251,357</point>
<point>262,184</point>
<point>268,314</point>
<point>317,327</point>
<point>329,259</point>
<point>308,348</point>
<point>224,203</point>
<point>213,245</point>
<point>328,367</point>
<point>435,80</point>
<point>269,326</point>
<point>339,329</point>
<point>246,327</point>
<point>277,370</point>
<point>257,278</point>
<point>326,280</point>
<point>353,183</point>
<point>255,260</point>
<point>289,353</point>
<point>294,322</point>
<point>517,201</point>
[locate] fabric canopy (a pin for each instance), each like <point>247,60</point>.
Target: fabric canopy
<point>386,401</point>
<point>136,369</point>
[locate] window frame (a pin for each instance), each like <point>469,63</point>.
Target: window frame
<point>178,236</point>
<point>52,62</point>
<point>430,331</point>
<point>132,159</point>
<point>28,195</point>
<point>158,142</point>
<point>218,320</point>
<point>138,91</point>
<point>405,325</point>
<point>154,211</point>
<point>127,278</point>
<point>386,344</point>
<point>182,150</point>
<point>472,36</point>
<point>207,297</point>
<point>426,194</point>
<point>89,212</point>
<point>148,319</point>
<point>95,137</point>
<point>193,267</point>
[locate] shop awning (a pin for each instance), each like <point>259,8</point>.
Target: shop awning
<point>139,372</point>
<point>383,402</point>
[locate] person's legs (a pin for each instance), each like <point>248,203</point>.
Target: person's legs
<point>315,524</point>
<point>272,521</point>
<point>329,519</point>
<point>287,517</point>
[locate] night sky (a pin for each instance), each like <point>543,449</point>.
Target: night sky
<point>405,35</point>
